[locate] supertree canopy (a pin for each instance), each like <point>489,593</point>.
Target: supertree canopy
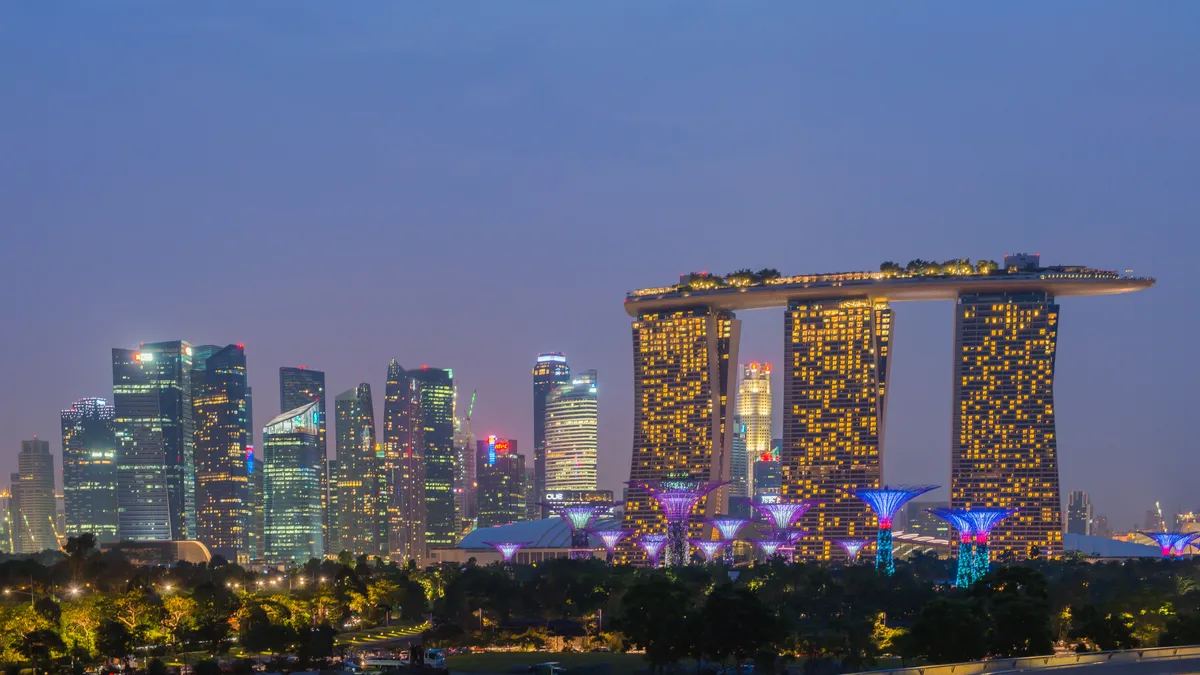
<point>966,555</point>
<point>578,518</point>
<point>885,502</point>
<point>708,547</point>
<point>1181,545</point>
<point>770,546</point>
<point>1171,544</point>
<point>677,496</point>
<point>982,521</point>
<point>652,544</point>
<point>782,515</point>
<point>851,547</point>
<point>610,538</point>
<point>728,526</point>
<point>507,549</point>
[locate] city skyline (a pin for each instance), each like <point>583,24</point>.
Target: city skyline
<point>764,156</point>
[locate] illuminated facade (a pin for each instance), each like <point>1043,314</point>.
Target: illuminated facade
<point>404,466</point>
<point>754,405</point>
<point>90,470</point>
<point>1079,513</point>
<point>292,476</point>
<point>464,466</point>
<point>298,386</point>
<point>1003,441</point>
<point>683,420</point>
<point>501,473</point>
<point>740,470</point>
<point>437,415</point>
<point>220,409</point>
<point>152,400</point>
<point>361,491</point>
<point>31,505</point>
<point>550,372</point>
<point>570,436</point>
<point>836,354</point>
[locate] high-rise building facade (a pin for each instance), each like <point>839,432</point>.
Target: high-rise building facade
<point>502,482</point>
<point>465,477</point>
<point>835,383</point>
<point>1079,513</point>
<point>570,442</point>
<point>1003,444</point>
<point>292,476</point>
<point>550,371</point>
<point>223,453</point>
<point>156,481</point>
<point>683,419</point>
<point>919,520</point>
<point>740,471</point>
<point>299,385</point>
<point>437,415</point>
<point>768,481</point>
<point>361,508</point>
<point>404,466</point>
<point>89,466</point>
<point>31,506</point>
<point>754,408</point>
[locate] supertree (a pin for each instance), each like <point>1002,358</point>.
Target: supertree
<point>610,538</point>
<point>851,547</point>
<point>1171,544</point>
<point>782,515</point>
<point>966,556</point>
<point>885,502</point>
<point>578,519</point>
<point>708,547</point>
<point>507,549</point>
<point>770,546</point>
<point>982,521</point>
<point>653,545</point>
<point>677,497</point>
<point>728,527</point>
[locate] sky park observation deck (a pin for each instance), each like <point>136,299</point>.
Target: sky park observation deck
<point>837,337</point>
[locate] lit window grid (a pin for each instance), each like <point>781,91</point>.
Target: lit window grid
<point>292,480</point>
<point>754,406</point>
<point>571,440</point>
<point>89,469</point>
<point>361,507</point>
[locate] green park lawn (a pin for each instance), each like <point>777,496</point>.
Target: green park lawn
<point>501,662</point>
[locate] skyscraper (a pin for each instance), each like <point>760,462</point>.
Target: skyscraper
<point>297,386</point>
<point>835,384</point>
<point>570,436</point>
<point>293,466</point>
<point>502,489</point>
<point>31,506</point>
<point>361,509</point>
<point>754,407</point>
<point>90,469</point>
<point>437,415</point>
<point>1079,513</point>
<point>464,466</point>
<point>152,397</point>
<point>222,450</point>
<point>549,372</point>
<point>740,470</point>
<point>1003,445</point>
<point>682,420</point>
<point>404,466</point>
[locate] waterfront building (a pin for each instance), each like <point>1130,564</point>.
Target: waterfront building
<point>570,445</point>
<point>436,388</point>
<point>89,466</point>
<point>502,482</point>
<point>1079,514</point>
<point>293,466</point>
<point>754,407</point>
<point>550,371</point>
<point>31,507</point>
<point>361,511</point>
<point>404,466</point>
<point>223,452</point>
<point>152,400</point>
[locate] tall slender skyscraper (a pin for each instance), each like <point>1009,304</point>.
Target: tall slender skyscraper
<point>90,469</point>
<point>502,493</point>
<point>741,478</point>
<point>682,415</point>
<point>1003,446</point>
<point>836,352</point>
<point>31,506</point>
<point>465,476</point>
<point>220,408</point>
<point>754,407</point>
<point>293,467</point>
<point>1079,513</point>
<point>152,397</point>
<point>404,466</point>
<point>359,481</point>
<point>437,413</point>
<point>298,386</point>
<point>570,436</point>
<point>549,372</point>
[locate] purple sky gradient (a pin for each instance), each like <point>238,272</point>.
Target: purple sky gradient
<point>467,184</point>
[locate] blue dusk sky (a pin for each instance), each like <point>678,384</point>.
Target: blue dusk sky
<point>466,184</point>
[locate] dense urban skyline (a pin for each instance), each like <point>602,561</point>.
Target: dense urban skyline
<point>765,135</point>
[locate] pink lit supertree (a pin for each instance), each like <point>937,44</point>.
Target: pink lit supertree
<point>782,515</point>
<point>770,547</point>
<point>982,521</point>
<point>611,538</point>
<point>728,527</point>
<point>851,547</point>
<point>885,502</point>
<point>653,545</point>
<point>579,518</point>
<point>676,498</point>
<point>966,555</point>
<point>507,549</point>
<point>1171,544</point>
<point>708,547</point>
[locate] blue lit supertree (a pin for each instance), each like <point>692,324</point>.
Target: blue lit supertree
<point>885,502</point>
<point>1171,544</point>
<point>982,521</point>
<point>1181,546</point>
<point>966,555</point>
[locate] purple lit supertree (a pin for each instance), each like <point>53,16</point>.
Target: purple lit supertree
<point>885,502</point>
<point>966,555</point>
<point>782,515</point>
<point>610,538</point>
<point>728,527</point>
<point>851,547</point>
<point>1171,544</point>
<point>770,546</point>
<point>578,519</point>
<point>677,497</point>
<point>708,547</point>
<point>982,521</point>
<point>507,549</point>
<point>652,544</point>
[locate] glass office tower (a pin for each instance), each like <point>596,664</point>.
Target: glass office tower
<point>220,404</point>
<point>293,467</point>
<point>359,482</point>
<point>89,461</point>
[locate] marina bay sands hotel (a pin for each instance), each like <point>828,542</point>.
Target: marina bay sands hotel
<point>837,343</point>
